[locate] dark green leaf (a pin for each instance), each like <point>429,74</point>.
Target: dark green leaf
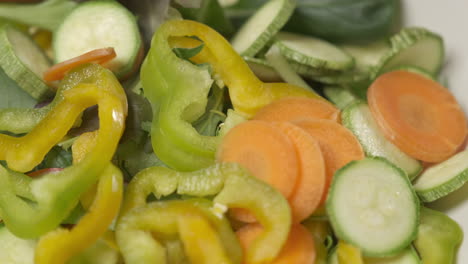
<point>12,95</point>
<point>56,158</point>
<point>188,53</point>
<point>208,123</point>
<point>211,14</point>
<point>334,20</point>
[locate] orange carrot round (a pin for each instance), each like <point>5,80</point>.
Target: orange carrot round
<point>418,115</point>
<point>338,145</point>
<point>298,249</point>
<point>58,71</point>
<point>310,184</point>
<point>290,108</point>
<point>263,150</point>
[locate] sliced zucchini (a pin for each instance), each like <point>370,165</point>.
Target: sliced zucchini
<point>358,118</point>
<point>313,52</point>
<point>408,256</point>
<point>14,250</point>
<point>416,47</point>
<point>369,55</point>
<point>100,24</point>
<point>282,67</point>
<point>443,178</point>
<point>23,61</point>
<point>414,69</point>
<point>372,205</point>
<point>340,96</point>
<point>260,28</point>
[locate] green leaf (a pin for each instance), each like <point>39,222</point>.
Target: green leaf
<point>187,53</point>
<point>208,123</point>
<point>211,14</point>
<point>12,95</point>
<point>48,14</point>
<point>56,158</point>
<point>333,20</point>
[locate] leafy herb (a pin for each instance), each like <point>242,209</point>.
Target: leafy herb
<point>12,95</point>
<point>334,20</point>
<point>208,123</point>
<point>48,14</point>
<point>56,158</point>
<point>187,53</point>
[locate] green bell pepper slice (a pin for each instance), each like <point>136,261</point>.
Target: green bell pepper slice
<point>52,197</point>
<point>231,186</point>
<point>438,237</point>
<point>141,232</point>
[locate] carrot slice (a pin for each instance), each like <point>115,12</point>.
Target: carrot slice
<point>338,145</point>
<point>266,152</point>
<point>58,71</point>
<point>418,115</point>
<point>298,249</point>
<point>288,109</point>
<point>310,184</point>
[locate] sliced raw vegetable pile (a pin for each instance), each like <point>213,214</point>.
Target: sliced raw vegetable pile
<point>236,132</point>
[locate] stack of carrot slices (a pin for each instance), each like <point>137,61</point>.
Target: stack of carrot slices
<point>295,145</point>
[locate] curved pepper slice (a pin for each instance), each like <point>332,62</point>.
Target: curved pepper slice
<point>233,187</point>
<point>178,89</point>
<point>54,195</point>
<point>438,237</point>
<point>137,243</point>
<point>61,244</point>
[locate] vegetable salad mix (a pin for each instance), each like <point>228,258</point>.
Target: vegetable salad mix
<point>260,131</point>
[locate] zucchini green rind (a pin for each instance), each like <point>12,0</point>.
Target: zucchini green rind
<point>313,52</point>
<point>358,118</point>
<point>340,96</point>
<point>443,178</point>
<point>262,26</point>
<point>24,62</point>
<point>372,205</point>
<point>416,47</point>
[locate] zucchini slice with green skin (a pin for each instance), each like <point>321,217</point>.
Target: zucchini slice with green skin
<point>372,205</point>
<point>416,47</point>
<point>414,69</point>
<point>262,26</point>
<point>100,24</point>
<point>368,55</point>
<point>24,62</point>
<point>358,118</point>
<point>443,178</point>
<point>408,256</point>
<point>313,52</point>
<point>340,96</point>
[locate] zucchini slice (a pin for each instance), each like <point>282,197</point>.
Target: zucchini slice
<point>416,47</point>
<point>313,52</point>
<point>372,205</point>
<point>443,178</point>
<point>262,26</point>
<point>358,118</point>
<point>24,62</point>
<point>100,24</point>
